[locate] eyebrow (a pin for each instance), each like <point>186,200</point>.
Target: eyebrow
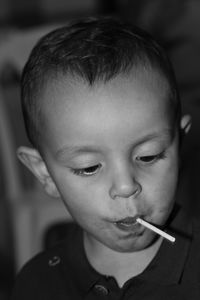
<point>169,132</point>
<point>75,150</point>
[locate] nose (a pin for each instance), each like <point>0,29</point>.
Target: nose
<point>124,184</point>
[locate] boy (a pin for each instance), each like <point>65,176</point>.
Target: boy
<point>102,111</point>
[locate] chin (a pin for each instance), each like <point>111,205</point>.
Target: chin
<point>141,243</point>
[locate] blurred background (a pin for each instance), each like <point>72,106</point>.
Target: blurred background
<point>29,220</point>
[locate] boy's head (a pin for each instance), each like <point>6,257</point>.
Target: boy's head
<point>101,106</point>
<point>94,50</point>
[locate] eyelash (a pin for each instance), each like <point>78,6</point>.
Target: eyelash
<point>151,158</point>
<point>85,171</point>
<point>92,170</point>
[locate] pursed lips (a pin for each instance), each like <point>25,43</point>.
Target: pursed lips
<point>128,223</point>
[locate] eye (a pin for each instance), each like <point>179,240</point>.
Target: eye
<point>87,171</point>
<point>147,159</point>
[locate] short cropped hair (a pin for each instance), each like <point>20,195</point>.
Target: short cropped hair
<point>95,49</point>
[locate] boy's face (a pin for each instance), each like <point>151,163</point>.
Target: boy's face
<point>112,151</point>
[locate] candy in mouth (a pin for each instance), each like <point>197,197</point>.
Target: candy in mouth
<point>129,223</point>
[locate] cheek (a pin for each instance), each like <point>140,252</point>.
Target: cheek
<point>166,185</point>
<point>161,186</point>
<point>80,197</point>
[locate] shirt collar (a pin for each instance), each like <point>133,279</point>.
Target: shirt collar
<point>82,272</point>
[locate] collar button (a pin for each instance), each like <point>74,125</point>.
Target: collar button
<point>101,289</point>
<point>54,261</point>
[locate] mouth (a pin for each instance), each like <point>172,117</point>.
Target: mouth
<point>128,223</point>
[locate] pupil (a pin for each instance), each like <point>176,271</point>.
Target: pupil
<point>147,158</point>
<point>91,169</point>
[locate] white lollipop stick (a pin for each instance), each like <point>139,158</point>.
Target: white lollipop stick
<point>157,230</point>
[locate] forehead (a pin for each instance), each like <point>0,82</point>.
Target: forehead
<point>71,107</point>
<point>68,90</point>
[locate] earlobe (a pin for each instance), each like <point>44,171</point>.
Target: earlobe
<point>31,158</point>
<point>186,123</point>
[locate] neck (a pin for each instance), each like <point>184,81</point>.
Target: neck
<point>122,266</point>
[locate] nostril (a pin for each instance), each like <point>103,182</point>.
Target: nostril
<point>138,190</point>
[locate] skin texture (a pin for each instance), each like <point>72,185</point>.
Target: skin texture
<point>112,152</point>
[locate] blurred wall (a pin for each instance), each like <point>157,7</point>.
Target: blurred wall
<point>23,13</point>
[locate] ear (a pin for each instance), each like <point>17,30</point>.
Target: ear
<point>31,158</point>
<point>185,124</point>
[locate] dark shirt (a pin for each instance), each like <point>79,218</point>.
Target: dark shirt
<point>64,272</point>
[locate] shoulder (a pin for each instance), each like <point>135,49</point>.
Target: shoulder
<point>192,268</point>
<point>39,276</point>
<point>196,235</point>
<point>43,276</point>
<point>196,224</point>
<point>191,221</point>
